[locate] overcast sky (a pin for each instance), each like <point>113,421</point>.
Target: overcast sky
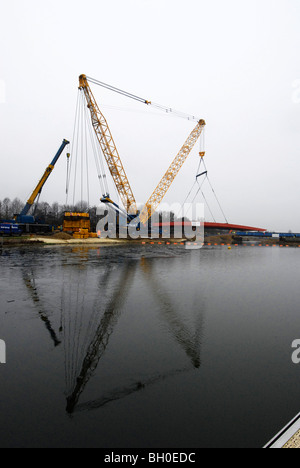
<point>235,64</point>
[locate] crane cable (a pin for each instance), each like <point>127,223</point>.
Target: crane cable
<point>215,194</point>
<point>80,151</point>
<point>168,110</point>
<point>79,123</point>
<point>205,172</point>
<point>69,169</point>
<point>83,137</point>
<point>102,178</point>
<point>198,175</point>
<point>74,149</point>
<point>86,158</point>
<point>202,142</point>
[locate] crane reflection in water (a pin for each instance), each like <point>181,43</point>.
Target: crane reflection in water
<point>91,307</point>
<point>30,283</point>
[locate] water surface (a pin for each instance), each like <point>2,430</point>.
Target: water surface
<point>148,346</point>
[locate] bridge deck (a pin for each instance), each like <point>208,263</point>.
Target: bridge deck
<point>208,225</point>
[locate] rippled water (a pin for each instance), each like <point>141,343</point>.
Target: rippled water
<point>148,346</point>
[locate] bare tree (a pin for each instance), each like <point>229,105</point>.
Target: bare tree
<point>16,206</point>
<point>7,208</point>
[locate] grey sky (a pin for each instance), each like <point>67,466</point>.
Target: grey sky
<point>234,63</point>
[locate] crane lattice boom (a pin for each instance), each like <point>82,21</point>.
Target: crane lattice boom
<point>171,173</point>
<point>109,149</point>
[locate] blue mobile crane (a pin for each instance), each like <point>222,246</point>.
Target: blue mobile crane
<point>24,221</point>
<point>23,216</point>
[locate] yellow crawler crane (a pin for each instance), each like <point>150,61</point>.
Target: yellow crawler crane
<point>113,159</point>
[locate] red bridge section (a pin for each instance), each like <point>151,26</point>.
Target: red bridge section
<point>232,227</point>
<point>223,226</point>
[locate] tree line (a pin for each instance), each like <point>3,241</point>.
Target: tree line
<point>44,212</point>
<point>54,214</point>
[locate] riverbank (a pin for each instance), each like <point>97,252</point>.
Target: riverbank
<point>213,240</point>
<point>64,240</point>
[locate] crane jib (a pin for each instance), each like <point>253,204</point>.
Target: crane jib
<point>168,110</point>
